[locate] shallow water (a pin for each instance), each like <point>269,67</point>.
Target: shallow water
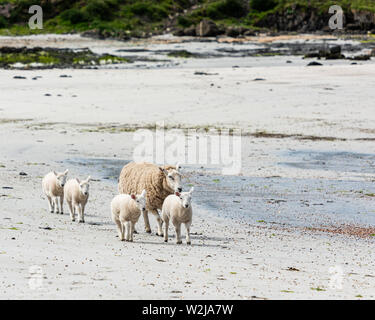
<point>325,160</point>
<point>270,201</point>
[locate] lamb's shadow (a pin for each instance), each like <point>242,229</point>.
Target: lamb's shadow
<point>170,243</point>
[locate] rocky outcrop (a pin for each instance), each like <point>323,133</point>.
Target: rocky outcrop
<point>207,28</point>
<point>5,9</point>
<point>302,19</point>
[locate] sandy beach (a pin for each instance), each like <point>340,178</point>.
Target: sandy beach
<point>296,223</point>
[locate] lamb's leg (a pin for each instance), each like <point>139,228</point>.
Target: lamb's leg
<point>127,230</point>
<point>120,229</point>
<point>77,211</point>
<point>61,204</point>
<point>159,221</point>
<point>187,226</point>
<point>147,222</point>
<point>178,233</point>
<point>165,227</point>
<point>83,212</point>
<point>80,212</point>
<point>71,210</point>
<point>132,225</point>
<point>50,204</point>
<point>56,204</point>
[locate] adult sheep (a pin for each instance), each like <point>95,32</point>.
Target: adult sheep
<point>159,183</point>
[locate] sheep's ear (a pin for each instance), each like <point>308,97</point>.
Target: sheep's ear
<point>178,166</point>
<point>163,170</point>
<point>133,196</point>
<point>191,190</point>
<point>177,194</point>
<point>88,179</point>
<point>66,172</point>
<point>78,180</point>
<point>143,194</point>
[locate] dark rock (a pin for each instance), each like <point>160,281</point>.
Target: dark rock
<point>335,50</point>
<point>19,77</point>
<point>207,28</point>
<point>249,33</point>
<point>314,63</point>
<point>23,173</point>
<point>232,32</point>
<point>190,32</point>
<point>362,57</point>
<point>179,33</point>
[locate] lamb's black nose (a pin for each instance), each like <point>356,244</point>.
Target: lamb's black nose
<point>179,189</point>
<point>186,206</point>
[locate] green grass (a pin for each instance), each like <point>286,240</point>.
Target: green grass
<point>55,57</point>
<point>141,17</point>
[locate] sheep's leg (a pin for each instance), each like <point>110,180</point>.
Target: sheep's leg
<point>187,226</point>
<point>77,211</point>
<point>56,204</point>
<point>83,212</point>
<point>80,212</point>
<point>165,227</point>
<point>71,210</point>
<point>127,230</point>
<point>50,204</point>
<point>159,221</point>
<point>132,225</point>
<point>147,222</point>
<point>120,229</point>
<point>178,232</point>
<point>61,205</point>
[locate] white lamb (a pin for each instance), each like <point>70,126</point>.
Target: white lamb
<point>126,210</point>
<point>76,195</point>
<point>53,187</point>
<point>177,208</point>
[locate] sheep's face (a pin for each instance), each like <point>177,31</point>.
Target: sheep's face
<point>173,178</point>
<point>185,198</point>
<point>84,186</point>
<point>61,177</point>
<point>140,200</point>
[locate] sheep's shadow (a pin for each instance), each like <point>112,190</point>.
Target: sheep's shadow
<point>170,243</point>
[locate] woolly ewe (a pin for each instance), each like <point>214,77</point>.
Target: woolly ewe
<point>126,210</point>
<point>76,195</point>
<point>53,187</point>
<point>177,209</point>
<point>159,182</point>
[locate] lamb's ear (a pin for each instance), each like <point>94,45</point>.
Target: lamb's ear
<point>66,172</point>
<point>143,194</point>
<point>78,181</point>
<point>163,170</point>
<point>191,190</point>
<point>133,196</point>
<point>88,179</point>
<point>55,173</point>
